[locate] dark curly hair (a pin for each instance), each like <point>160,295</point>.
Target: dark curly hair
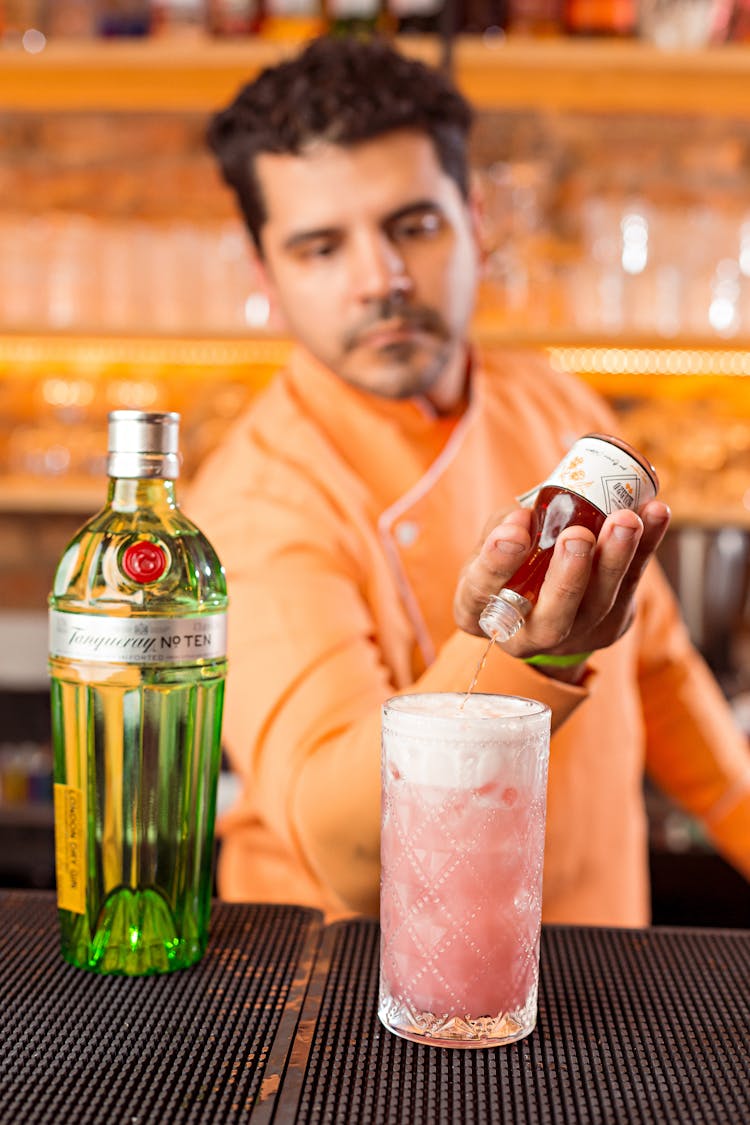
<point>341,90</point>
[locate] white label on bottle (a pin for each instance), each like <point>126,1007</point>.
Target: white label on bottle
<point>352,9</point>
<point>601,472</point>
<point>405,8</point>
<point>288,9</point>
<point>137,640</point>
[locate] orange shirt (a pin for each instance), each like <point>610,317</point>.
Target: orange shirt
<point>343,520</point>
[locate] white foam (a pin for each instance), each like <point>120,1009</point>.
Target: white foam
<point>458,705</point>
<point>429,739</point>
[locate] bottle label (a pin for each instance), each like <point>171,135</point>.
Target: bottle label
<point>137,640</point>
<point>605,475</point>
<point>406,8</point>
<point>352,9</point>
<point>70,848</point>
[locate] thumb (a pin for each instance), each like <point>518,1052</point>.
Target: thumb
<point>498,558</point>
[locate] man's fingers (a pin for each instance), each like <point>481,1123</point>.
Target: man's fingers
<point>586,598</point>
<point>569,613</point>
<point>562,590</point>
<point>621,559</point>
<point>616,548</point>
<point>655,517</point>
<point>499,557</point>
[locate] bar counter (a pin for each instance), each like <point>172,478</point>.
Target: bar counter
<point>278,1024</point>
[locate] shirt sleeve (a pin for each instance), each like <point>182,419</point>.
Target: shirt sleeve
<point>695,751</point>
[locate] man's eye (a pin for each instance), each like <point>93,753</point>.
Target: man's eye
<point>319,249</point>
<point>417,226</point>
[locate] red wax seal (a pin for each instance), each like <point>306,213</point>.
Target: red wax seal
<point>144,561</point>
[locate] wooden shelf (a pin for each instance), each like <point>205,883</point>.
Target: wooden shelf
<point>64,495</point>
<point>551,75</point>
<point>607,361</point>
<point>27,816</point>
<point>610,76</point>
<point>36,349</point>
<point>632,368</point>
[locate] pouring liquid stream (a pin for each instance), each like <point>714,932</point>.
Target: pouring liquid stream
<point>478,672</point>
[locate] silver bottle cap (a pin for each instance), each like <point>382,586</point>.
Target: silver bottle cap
<point>143,444</point>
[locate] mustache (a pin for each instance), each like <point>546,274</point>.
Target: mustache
<point>419,317</point>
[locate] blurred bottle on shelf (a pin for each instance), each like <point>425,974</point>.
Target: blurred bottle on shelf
<point>416,17</point>
<point>600,17</point>
<point>25,774</point>
<point>357,17</point>
<point>292,20</point>
<point>123,18</point>
<point>178,18</point>
<point>70,19</point>
<point>482,17</point>
<point>535,18</point>
<point>17,17</point>
<point>234,17</point>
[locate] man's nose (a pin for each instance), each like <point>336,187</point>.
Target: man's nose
<point>378,270</point>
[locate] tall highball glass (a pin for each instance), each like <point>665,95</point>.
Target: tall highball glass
<point>463,817</point>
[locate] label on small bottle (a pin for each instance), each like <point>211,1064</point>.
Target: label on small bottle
<point>137,640</point>
<point>70,848</point>
<point>605,475</point>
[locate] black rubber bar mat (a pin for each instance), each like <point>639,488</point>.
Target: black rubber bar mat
<point>205,1044</point>
<point>635,1026</point>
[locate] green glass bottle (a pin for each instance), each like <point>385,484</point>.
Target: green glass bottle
<point>137,665</point>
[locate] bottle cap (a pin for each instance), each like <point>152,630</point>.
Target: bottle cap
<point>504,615</point>
<point>143,444</point>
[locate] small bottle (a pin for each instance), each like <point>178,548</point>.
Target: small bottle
<point>234,17</point>
<point>183,19</point>
<point>70,19</point>
<point>137,665</point>
<point>115,18</point>
<point>534,18</point>
<point>599,475</point>
<point>616,18</point>
<point>292,21</point>
<point>488,18</point>
<point>359,18</point>
<point>415,17</point>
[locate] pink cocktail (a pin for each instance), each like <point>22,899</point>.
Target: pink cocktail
<point>464,799</point>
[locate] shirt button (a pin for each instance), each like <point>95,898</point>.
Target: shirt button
<point>406,533</point>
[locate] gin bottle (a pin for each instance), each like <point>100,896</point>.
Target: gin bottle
<point>137,665</point>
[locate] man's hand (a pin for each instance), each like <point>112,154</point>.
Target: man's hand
<point>587,598</point>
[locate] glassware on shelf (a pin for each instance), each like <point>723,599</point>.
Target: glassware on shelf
<point>515,224</point>
<point>681,24</point>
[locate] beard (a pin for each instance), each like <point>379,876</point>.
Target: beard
<point>402,368</point>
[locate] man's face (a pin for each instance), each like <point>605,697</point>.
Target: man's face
<point>371,256</point>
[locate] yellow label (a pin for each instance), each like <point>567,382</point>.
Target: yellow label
<point>70,848</point>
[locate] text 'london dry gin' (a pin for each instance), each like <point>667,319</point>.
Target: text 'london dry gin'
<point>137,665</point>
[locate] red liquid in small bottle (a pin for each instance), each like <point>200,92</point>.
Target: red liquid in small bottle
<point>555,509</point>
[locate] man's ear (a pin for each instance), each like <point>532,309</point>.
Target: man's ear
<point>262,307</point>
<point>478,212</point>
